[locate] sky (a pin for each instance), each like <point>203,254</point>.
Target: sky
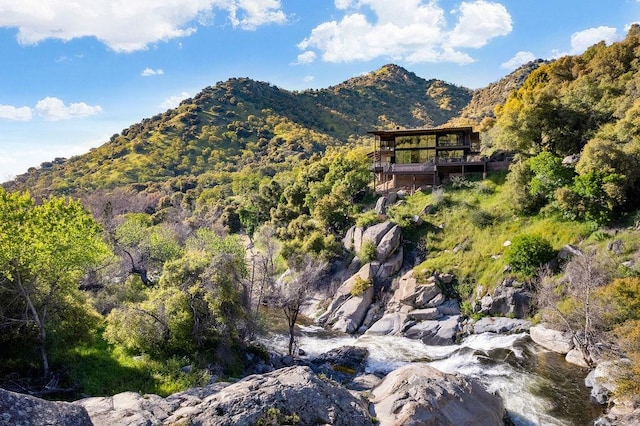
<point>75,72</point>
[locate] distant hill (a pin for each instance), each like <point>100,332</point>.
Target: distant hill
<point>245,123</point>
<point>485,100</point>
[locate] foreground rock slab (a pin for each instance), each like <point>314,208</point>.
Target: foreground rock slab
<point>293,392</point>
<point>18,409</point>
<point>418,394</point>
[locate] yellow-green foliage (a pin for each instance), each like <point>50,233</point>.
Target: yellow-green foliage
<point>360,286</point>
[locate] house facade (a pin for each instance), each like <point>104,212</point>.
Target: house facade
<point>414,158</point>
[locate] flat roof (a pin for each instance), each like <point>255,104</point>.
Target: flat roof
<point>415,132</point>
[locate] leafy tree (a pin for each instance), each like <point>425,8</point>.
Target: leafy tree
<point>44,251</point>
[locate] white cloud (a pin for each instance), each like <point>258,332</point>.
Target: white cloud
<point>174,101</point>
<point>308,78</point>
<point>582,40</point>
<point>148,72</point>
<point>479,22</point>
<point>519,58</point>
<point>129,25</point>
<point>306,58</point>
<point>9,112</point>
<point>411,30</point>
<point>54,109</point>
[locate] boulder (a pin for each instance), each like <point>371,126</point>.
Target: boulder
<point>264,398</point>
<point>357,238</point>
<point>389,243</point>
<point>567,252</point>
<point>347,241</point>
<point>425,314</point>
<point>449,307</point>
<point>348,317</point>
<point>575,357</point>
<point>501,325</point>
<point>418,394</point>
<point>510,298</point>
<point>20,409</point>
<point>602,379</point>
<point>376,232</point>
<point>616,247</point>
<point>435,333</point>
<point>391,266</point>
<point>390,323</point>
<point>553,340</point>
<point>350,358</point>
<point>344,292</point>
<point>381,206</point>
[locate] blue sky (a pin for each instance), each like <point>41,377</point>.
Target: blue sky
<point>75,72</point>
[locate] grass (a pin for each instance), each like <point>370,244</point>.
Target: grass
<point>469,224</point>
<point>101,369</point>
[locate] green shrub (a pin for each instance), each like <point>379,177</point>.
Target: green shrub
<point>367,251</point>
<point>367,219</point>
<point>360,286</point>
<point>527,253</point>
<point>481,218</point>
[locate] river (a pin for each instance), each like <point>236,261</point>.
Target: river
<point>537,386</point>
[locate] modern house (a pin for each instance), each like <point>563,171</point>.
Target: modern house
<point>414,158</point>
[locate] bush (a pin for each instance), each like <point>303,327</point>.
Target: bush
<point>527,253</point>
<point>360,286</point>
<point>367,251</point>
<point>481,218</point>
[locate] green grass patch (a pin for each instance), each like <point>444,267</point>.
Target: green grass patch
<point>101,369</point>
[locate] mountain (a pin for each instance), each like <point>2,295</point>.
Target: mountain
<point>485,100</point>
<point>245,123</point>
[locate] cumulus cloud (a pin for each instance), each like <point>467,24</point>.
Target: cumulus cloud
<point>306,58</point>
<point>148,72</point>
<point>582,40</point>
<point>129,25</point>
<point>520,58</point>
<point>174,101</point>
<point>308,78</point>
<point>411,30</point>
<point>9,112</point>
<point>54,109</point>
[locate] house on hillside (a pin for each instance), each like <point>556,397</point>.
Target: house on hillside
<point>413,158</point>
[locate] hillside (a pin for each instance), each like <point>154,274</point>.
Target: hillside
<point>245,123</point>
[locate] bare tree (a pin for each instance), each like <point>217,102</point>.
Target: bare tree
<point>292,291</point>
<point>569,302</point>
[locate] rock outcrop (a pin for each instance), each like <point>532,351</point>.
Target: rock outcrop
<point>19,409</point>
<point>293,392</point>
<point>418,394</point>
<point>501,325</point>
<point>350,305</point>
<point>509,298</point>
<point>419,310</point>
<point>553,340</point>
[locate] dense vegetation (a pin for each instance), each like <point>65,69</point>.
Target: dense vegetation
<point>192,214</point>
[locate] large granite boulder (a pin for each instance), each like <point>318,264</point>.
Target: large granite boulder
<point>501,325</point>
<point>390,323</point>
<point>390,266</point>
<point>348,307</point>
<point>389,243</point>
<point>272,397</point>
<point>509,298</point>
<point>553,340</point>
<point>26,410</point>
<point>436,333</point>
<point>418,394</point>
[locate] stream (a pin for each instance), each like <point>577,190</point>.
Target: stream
<point>537,386</point>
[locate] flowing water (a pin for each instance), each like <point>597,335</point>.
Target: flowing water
<point>538,387</point>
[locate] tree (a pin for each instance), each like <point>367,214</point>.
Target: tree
<point>292,291</point>
<point>44,251</point>
<point>571,304</point>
